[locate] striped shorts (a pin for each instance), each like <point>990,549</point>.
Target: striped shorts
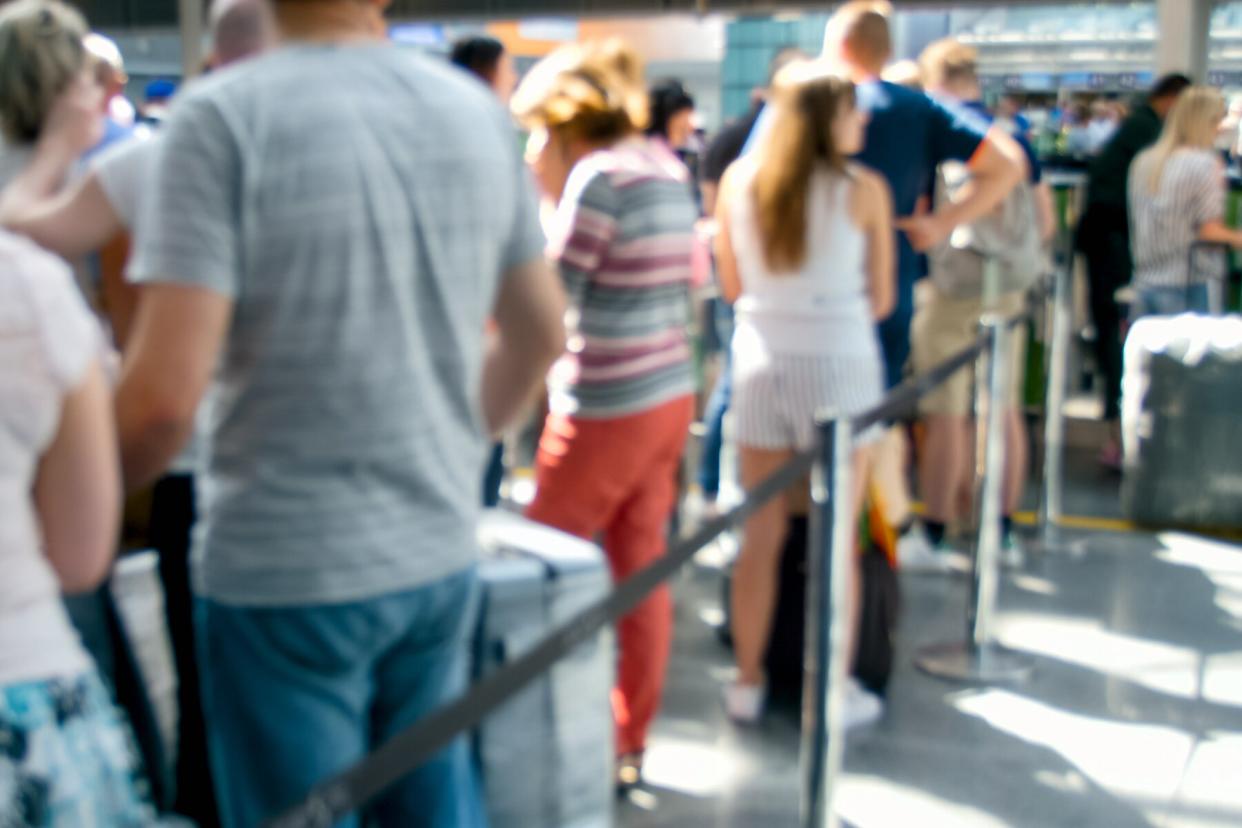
<point>775,399</point>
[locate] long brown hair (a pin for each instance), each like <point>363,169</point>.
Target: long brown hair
<point>807,102</point>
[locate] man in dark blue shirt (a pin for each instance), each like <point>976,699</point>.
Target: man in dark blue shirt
<point>908,137</point>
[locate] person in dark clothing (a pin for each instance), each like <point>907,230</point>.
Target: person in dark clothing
<point>487,59</point>
<point>723,150</point>
<point>1104,240</point>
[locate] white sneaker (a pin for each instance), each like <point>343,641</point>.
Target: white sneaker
<point>744,702</point>
<point>1013,556</point>
<point>916,554</point>
<point>862,707</point>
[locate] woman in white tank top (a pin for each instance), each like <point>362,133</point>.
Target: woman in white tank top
<point>806,252</point>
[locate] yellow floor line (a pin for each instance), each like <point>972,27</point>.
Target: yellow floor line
<point>1091,524</point>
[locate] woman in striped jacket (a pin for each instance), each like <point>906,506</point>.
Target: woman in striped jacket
<point>622,396</point>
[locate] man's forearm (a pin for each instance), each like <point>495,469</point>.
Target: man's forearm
<point>149,441</point>
<point>512,376</point>
<point>986,192</point>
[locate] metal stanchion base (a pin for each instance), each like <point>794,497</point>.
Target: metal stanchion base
<point>963,662</point>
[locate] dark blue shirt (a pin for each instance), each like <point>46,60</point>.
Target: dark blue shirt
<point>908,137</point>
<point>1032,160</point>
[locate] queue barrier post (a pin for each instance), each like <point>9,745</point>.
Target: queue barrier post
<point>829,558</point>
<point>1051,504</point>
<point>979,659</point>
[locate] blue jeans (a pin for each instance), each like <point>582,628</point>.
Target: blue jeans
<point>294,695</point>
<point>718,405</point>
<point>1169,301</point>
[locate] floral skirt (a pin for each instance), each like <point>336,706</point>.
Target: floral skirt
<point>67,758</point>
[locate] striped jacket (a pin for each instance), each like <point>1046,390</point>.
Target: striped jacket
<point>623,237</point>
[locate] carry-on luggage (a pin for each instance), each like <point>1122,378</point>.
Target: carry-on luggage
<point>873,664</point>
<point>1181,392</point>
<point>547,755</point>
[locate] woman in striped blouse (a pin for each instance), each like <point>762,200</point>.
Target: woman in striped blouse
<point>1177,200</point>
<point>622,395</point>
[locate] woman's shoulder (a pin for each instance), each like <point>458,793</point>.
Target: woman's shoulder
<point>29,276</point>
<point>39,299</point>
<point>1199,160</point>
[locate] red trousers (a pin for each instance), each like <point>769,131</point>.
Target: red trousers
<point>617,478</point>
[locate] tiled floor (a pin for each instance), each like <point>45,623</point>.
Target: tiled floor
<point>1133,716</point>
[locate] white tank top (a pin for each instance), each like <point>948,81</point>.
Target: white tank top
<point>821,309</point>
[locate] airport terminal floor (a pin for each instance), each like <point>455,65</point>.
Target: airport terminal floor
<point>1132,716</point>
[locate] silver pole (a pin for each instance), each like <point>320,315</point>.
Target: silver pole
<point>827,645</point>
<point>979,659</point>
<point>1054,407</point>
<point>993,391</point>
<point>191,19</point>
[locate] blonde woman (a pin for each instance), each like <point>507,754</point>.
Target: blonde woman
<point>41,54</point>
<point>622,394</point>
<point>1177,195</point>
<point>806,252</point>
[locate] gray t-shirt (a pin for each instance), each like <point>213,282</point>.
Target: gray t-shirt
<point>359,204</point>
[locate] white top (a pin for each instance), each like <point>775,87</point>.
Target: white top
<point>47,341</point>
<point>822,309</point>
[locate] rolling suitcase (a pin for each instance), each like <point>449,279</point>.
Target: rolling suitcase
<point>547,755</point>
<point>1181,394</point>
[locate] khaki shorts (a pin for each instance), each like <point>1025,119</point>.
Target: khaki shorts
<point>943,327</point>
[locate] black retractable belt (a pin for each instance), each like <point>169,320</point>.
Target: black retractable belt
<point>354,788</point>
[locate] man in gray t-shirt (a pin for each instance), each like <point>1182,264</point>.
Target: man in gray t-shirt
<point>330,229</point>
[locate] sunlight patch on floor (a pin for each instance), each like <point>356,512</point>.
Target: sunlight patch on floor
<point>1165,668</point>
<point>1141,761</point>
<point>872,802</point>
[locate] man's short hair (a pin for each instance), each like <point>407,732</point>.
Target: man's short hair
<point>1169,86</point>
<point>947,62</point>
<point>240,29</point>
<point>863,26</point>
<point>783,58</point>
<point>478,55</point>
